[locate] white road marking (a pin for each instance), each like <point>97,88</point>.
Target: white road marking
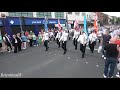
<point>86,62</point>
<point>77,60</point>
<point>55,54</point>
<point>97,65</point>
<point>68,57</point>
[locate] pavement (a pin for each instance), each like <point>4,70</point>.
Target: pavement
<point>35,62</point>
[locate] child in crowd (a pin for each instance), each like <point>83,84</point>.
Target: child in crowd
<point>34,39</point>
<point>24,40</point>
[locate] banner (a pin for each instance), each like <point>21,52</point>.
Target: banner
<point>85,25</point>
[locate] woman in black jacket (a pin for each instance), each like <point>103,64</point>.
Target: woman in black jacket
<point>15,43</point>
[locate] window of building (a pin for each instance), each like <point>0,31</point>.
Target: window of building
<point>18,14</point>
<point>69,12</point>
<point>82,13</point>
<point>77,13</point>
<point>59,14</point>
<point>43,14</point>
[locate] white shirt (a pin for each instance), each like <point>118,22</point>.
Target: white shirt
<point>92,37</point>
<point>76,34</point>
<point>82,39</point>
<point>51,34</point>
<point>7,39</point>
<point>64,36</point>
<point>16,40</point>
<point>58,35</point>
<point>45,36</point>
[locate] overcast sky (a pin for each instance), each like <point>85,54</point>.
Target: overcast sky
<point>117,14</point>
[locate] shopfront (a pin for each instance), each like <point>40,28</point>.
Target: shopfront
<point>13,25</point>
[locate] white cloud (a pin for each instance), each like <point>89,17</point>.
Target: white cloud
<point>117,14</point>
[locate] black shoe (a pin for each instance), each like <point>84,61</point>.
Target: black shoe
<point>82,57</point>
<point>75,48</point>
<point>64,52</point>
<point>46,50</point>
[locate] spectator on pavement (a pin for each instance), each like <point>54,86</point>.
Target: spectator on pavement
<point>111,58</point>
<point>34,39</point>
<point>18,37</point>
<point>7,42</point>
<point>30,40</point>
<point>0,43</point>
<point>15,43</point>
<point>104,41</point>
<point>24,40</point>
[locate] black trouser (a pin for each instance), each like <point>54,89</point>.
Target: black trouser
<point>82,49</point>
<point>15,48</point>
<point>9,45</point>
<point>75,43</point>
<point>46,44</point>
<point>58,42</point>
<point>19,46</point>
<point>31,42</point>
<point>64,46</point>
<point>91,46</point>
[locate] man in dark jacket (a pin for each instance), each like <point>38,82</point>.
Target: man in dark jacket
<point>7,41</point>
<point>104,41</point>
<point>111,58</point>
<point>19,41</point>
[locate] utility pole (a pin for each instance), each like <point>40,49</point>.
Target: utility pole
<point>20,24</point>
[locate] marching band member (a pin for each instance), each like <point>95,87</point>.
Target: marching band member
<point>45,39</point>
<point>64,40</point>
<point>75,37</point>
<point>83,40</point>
<point>92,39</point>
<point>58,36</point>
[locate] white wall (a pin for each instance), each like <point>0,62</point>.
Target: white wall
<point>53,14</point>
<point>34,14</point>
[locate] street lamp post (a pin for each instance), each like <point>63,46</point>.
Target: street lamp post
<point>66,21</point>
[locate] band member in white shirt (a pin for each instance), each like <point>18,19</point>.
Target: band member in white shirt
<point>58,36</point>
<point>45,39</point>
<point>92,39</point>
<point>64,40</point>
<point>83,40</point>
<point>75,37</point>
<point>15,43</point>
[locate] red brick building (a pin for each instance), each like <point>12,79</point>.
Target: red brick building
<point>103,18</point>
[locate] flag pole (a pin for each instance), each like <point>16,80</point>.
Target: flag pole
<point>66,21</point>
<point>20,24</point>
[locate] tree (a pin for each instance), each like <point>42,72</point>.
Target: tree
<point>112,20</point>
<point>118,20</point>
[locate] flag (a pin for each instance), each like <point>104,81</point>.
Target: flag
<point>96,24</point>
<point>85,25</point>
<point>59,26</point>
<point>45,24</point>
<point>76,24</point>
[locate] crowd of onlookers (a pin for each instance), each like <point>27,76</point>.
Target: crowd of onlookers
<point>23,40</point>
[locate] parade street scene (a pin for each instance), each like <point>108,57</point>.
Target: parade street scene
<point>59,45</point>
